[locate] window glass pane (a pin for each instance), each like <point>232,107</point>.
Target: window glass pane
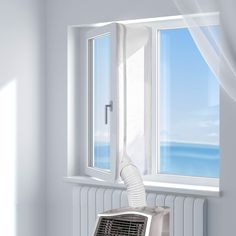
<point>188,108</point>
<point>101,97</point>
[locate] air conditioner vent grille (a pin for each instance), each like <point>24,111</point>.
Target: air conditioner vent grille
<point>125,225</point>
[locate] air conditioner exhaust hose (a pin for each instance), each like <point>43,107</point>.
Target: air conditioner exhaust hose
<point>133,182</point>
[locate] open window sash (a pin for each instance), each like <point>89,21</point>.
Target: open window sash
<point>102,127</point>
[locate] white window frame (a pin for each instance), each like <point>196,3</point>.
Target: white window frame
<point>78,93</point>
<point>212,19</point>
<point>108,175</point>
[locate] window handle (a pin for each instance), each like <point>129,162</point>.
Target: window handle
<point>110,107</point>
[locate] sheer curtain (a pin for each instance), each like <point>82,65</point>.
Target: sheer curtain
<point>220,54</point>
<point>134,85</point>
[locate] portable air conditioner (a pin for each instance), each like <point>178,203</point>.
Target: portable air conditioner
<point>143,221</point>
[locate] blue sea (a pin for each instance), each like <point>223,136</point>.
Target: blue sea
<point>176,158</point>
<point>190,159</point>
<point>101,156</point>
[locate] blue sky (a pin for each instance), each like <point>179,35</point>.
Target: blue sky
<point>189,101</point>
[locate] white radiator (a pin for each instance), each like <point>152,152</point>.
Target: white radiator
<point>188,215</point>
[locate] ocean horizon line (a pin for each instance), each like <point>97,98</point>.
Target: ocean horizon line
<point>172,141</point>
<point>190,143</point>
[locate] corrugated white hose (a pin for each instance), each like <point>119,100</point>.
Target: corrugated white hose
<point>133,182</point>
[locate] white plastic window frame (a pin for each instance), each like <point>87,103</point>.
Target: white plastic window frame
<point>107,175</point>
<point>77,153</point>
<point>154,175</point>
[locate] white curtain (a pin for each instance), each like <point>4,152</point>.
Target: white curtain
<point>134,95</point>
<point>219,53</point>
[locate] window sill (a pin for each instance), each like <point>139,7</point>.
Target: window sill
<point>150,186</point>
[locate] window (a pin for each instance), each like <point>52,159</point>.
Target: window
<point>176,94</point>
<point>188,108</point>
<point>101,51</point>
<point>100,59</point>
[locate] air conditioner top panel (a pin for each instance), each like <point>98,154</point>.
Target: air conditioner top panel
<point>146,211</point>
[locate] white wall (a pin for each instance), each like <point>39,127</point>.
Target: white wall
<point>62,13</point>
<point>22,118</point>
